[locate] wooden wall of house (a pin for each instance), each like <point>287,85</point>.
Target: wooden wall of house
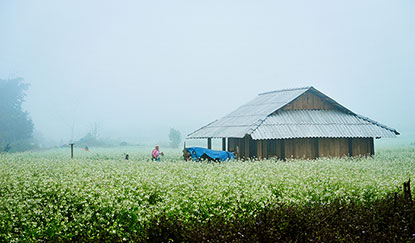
<point>249,148</point>
<point>333,147</point>
<point>246,146</point>
<point>232,143</point>
<point>285,149</point>
<point>301,148</point>
<point>269,148</point>
<point>311,148</point>
<point>309,101</point>
<point>362,146</point>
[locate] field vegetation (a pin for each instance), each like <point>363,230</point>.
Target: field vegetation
<point>99,195</point>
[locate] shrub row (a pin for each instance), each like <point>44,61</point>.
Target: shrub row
<point>391,219</point>
<point>388,220</point>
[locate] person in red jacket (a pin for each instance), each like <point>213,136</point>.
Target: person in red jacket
<point>155,155</point>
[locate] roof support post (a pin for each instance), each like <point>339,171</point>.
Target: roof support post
<point>224,144</point>
<point>282,144</point>
<point>259,149</point>
<point>209,143</point>
<point>265,149</point>
<point>316,149</point>
<point>372,146</point>
<point>246,143</point>
<point>350,142</point>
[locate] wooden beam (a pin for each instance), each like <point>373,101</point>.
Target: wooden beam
<point>209,143</point>
<point>224,144</point>
<point>282,144</point>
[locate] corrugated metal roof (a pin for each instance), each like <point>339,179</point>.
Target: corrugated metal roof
<point>246,118</point>
<point>317,123</point>
<point>260,119</point>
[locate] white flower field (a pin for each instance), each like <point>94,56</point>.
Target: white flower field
<point>48,195</point>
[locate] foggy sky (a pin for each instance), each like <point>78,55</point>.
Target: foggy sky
<point>137,68</point>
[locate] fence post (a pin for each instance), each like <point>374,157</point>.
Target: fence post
<point>71,150</point>
<point>407,190</point>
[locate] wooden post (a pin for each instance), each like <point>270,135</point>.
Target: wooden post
<point>209,143</point>
<point>372,146</point>
<point>224,144</point>
<point>265,149</point>
<point>238,156</point>
<point>246,147</point>
<point>71,150</point>
<point>407,190</point>
<point>184,148</point>
<point>259,149</point>
<point>350,141</point>
<point>282,149</point>
<point>316,152</point>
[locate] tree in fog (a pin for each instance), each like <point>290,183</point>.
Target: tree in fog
<point>175,138</point>
<point>91,138</point>
<point>16,126</point>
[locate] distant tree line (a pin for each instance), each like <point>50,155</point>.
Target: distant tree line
<point>175,138</point>
<point>91,138</point>
<point>16,126</point>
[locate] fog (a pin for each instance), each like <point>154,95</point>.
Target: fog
<point>139,68</point>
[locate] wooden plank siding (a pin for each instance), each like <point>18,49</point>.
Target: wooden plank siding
<point>271,148</point>
<point>309,101</point>
<point>259,149</point>
<point>265,149</point>
<point>253,150</point>
<point>301,148</point>
<point>247,147</point>
<point>362,147</point>
<point>333,147</point>
<point>232,143</point>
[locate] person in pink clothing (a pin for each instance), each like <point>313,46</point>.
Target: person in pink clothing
<point>155,155</point>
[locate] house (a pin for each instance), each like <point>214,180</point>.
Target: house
<point>294,123</point>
